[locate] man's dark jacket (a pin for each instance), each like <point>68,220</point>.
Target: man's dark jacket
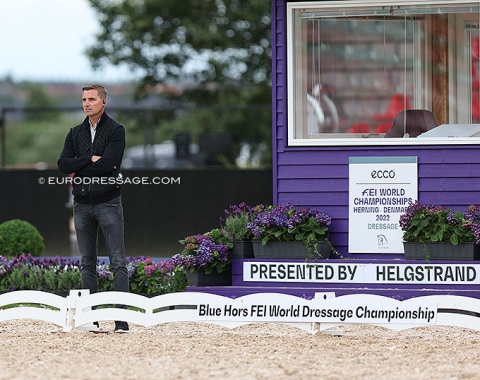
<point>94,182</point>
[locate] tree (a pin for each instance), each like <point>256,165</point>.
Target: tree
<point>223,41</point>
<point>40,104</point>
<point>217,51</point>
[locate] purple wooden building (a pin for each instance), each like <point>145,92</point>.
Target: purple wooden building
<point>316,44</point>
<point>357,82</point>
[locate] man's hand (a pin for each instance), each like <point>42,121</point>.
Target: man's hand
<point>96,158</point>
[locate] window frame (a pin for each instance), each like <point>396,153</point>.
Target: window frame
<point>423,92</point>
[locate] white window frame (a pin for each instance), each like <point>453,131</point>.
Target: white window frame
<point>425,95</point>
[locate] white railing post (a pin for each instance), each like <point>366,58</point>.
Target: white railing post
<point>326,328</point>
<point>72,299</point>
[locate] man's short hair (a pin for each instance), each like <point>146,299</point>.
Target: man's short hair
<point>102,92</point>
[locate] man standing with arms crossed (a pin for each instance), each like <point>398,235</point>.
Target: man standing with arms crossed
<point>93,151</point>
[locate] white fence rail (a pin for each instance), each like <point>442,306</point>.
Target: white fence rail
<point>80,309</point>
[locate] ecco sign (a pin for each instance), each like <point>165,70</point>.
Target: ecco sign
<point>383,174</point>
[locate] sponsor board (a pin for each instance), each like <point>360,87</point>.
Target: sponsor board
<point>336,310</point>
<point>380,190</point>
<point>369,273</point>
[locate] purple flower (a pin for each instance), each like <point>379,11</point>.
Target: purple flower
<point>149,269</point>
<point>472,221</point>
<point>166,265</point>
<point>222,252</point>
<point>204,251</point>
<point>104,272</point>
<point>451,218</point>
<point>286,222</point>
<point>177,259</point>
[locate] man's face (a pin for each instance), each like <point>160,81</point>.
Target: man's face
<point>92,103</point>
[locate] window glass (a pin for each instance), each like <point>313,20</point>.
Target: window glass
<point>359,75</point>
<point>353,70</point>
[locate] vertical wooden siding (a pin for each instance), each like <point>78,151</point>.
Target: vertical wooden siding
<point>318,177</point>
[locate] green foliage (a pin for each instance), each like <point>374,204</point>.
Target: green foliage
<point>61,280</point>
<point>28,277</point>
<point>432,223</point>
<point>26,145</point>
<point>19,236</point>
<point>217,52</point>
<point>229,40</point>
<point>43,104</point>
<point>236,226</point>
<point>244,113</point>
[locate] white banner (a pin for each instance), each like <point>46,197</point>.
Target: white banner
<point>425,273</point>
<point>380,190</point>
<point>276,308</point>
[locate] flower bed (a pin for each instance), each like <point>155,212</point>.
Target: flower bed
<point>58,275</point>
<point>210,252</point>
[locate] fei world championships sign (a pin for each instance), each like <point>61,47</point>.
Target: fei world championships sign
<point>380,190</point>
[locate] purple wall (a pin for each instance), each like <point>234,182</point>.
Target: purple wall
<point>318,176</point>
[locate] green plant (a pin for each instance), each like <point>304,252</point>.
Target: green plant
<point>427,223</point>
<point>69,278</point>
<point>25,272</point>
<point>19,236</point>
<point>236,219</point>
<point>26,278</point>
<point>236,227</point>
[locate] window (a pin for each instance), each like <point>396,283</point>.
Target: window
<point>353,67</point>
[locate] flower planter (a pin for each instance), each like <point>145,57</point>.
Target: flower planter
<point>242,250</point>
<point>289,250</point>
<point>199,278</point>
<point>441,251</point>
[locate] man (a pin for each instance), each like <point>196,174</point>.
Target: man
<point>93,151</point>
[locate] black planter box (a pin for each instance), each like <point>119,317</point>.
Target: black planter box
<point>199,278</point>
<point>242,250</point>
<point>441,251</point>
<point>290,250</point>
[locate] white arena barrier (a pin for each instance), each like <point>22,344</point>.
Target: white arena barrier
<point>55,313</point>
<point>325,311</point>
